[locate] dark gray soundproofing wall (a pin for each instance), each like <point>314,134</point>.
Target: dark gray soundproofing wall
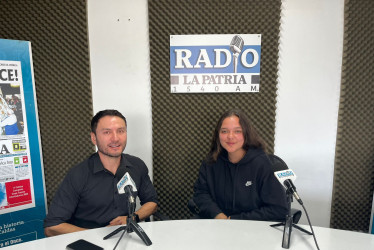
<point>59,39</point>
<point>354,160</point>
<point>183,123</point>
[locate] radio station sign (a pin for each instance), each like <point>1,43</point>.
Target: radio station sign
<point>215,63</point>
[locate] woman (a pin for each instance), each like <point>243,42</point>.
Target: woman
<point>236,180</point>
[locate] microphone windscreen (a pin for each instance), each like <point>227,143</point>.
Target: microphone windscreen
<point>289,184</point>
<point>128,189</point>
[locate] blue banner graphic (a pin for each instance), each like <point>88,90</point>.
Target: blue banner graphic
<point>22,189</point>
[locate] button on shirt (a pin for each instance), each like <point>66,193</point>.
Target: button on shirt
<point>88,196</point>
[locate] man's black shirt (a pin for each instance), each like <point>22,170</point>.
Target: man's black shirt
<point>88,196</point>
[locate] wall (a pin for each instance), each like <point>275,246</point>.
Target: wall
<point>119,52</point>
<point>309,80</point>
<point>308,99</point>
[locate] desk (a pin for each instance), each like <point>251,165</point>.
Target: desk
<point>210,234</point>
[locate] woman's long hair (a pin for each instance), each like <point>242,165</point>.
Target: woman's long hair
<point>251,137</point>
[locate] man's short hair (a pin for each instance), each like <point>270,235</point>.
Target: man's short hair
<point>101,114</point>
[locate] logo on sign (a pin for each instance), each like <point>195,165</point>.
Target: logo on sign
<point>215,63</point>
<point>120,184</point>
<point>286,174</point>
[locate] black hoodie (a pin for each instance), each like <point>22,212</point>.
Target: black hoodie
<point>246,190</point>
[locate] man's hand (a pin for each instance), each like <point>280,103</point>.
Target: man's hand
<point>144,212</point>
<point>62,228</point>
<point>120,220</point>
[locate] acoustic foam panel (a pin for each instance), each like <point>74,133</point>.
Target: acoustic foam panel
<point>354,159</point>
<point>183,123</point>
<point>59,40</point>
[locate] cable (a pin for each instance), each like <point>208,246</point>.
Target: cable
<point>311,228</point>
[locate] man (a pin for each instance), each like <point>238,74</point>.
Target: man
<point>88,196</point>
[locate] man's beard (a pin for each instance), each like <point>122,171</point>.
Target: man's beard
<point>108,154</point>
<point>105,152</point>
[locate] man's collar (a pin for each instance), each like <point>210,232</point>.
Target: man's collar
<point>98,165</point>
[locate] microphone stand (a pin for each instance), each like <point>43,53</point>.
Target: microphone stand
<point>131,226</point>
<point>288,224</point>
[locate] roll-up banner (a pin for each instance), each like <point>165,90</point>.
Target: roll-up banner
<point>22,188</point>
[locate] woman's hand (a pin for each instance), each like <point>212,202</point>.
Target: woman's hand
<point>221,216</point>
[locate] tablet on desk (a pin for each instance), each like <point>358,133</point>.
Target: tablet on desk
<point>83,245</point>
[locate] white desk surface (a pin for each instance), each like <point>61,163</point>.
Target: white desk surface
<point>210,234</point>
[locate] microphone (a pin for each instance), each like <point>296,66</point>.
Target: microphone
<point>126,185</point>
<point>236,47</point>
<point>128,190</point>
<point>285,177</point>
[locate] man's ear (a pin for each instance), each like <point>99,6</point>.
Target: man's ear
<point>93,138</point>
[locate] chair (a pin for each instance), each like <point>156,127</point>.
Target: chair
<point>160,216</point>
<point>157,216</point>
<point>194,209</point>
<point>278,165</point>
